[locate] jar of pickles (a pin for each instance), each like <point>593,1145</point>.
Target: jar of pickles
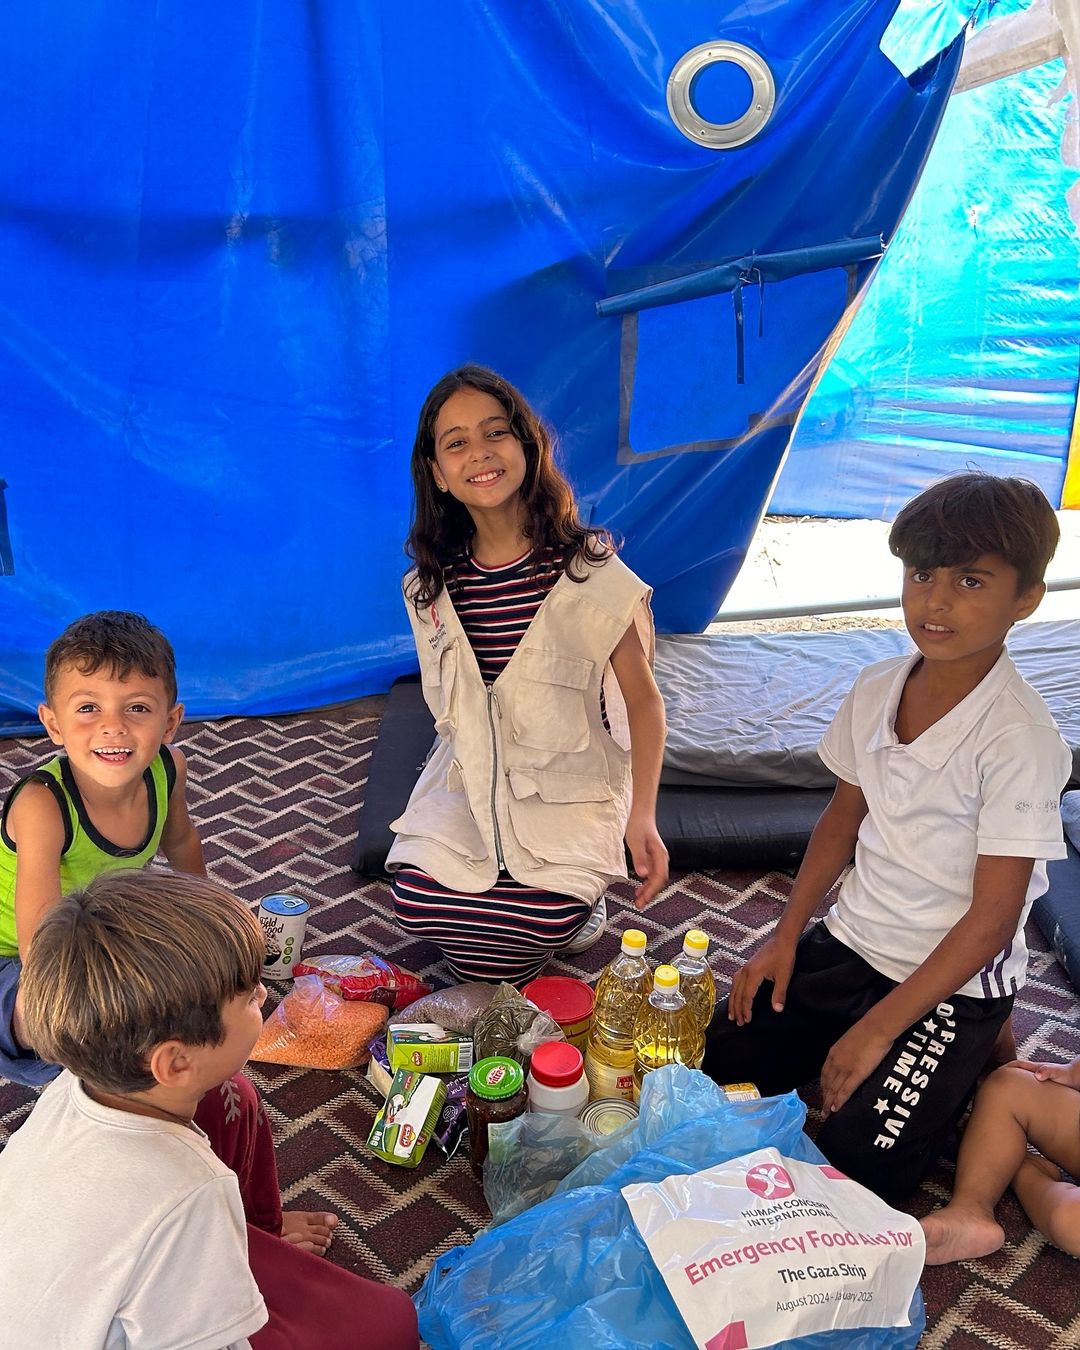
<point>496,1092</point>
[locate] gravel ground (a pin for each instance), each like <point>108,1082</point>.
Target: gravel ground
<point>807,561</point>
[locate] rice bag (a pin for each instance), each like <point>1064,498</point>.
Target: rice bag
<point>456,1008</point>
<point>315,1029</point>
<point>367,977</point>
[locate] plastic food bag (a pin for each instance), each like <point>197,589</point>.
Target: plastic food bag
<point>765,1248</point>
<point>456,1008</point>
<point>529,1156</point>
<point>511,1025</point>
<point>314,1029</point>
<point>366,977</point>
<point>574,1270</point>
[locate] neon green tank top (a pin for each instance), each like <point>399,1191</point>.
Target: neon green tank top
<point>87,852</point>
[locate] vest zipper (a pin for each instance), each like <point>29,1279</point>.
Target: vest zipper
<point>493,708</point>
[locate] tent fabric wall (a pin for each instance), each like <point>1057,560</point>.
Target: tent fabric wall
<point>238,244</point>
<point>1070,492</point>
<point>964,352</point>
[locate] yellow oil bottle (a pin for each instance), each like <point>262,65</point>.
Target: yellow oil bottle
<point>620,991</point>
<point>665,1031</point>
<point>696,982</point>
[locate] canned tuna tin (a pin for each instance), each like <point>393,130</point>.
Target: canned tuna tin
<point>283,919</point>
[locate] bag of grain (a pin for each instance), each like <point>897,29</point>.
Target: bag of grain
<point>314,1029</point>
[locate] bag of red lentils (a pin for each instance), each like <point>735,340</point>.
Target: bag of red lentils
<point>313,1028</point>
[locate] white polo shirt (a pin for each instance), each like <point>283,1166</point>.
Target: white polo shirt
<point>986,778</point>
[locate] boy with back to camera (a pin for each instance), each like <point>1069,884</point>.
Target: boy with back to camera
<point>146,1244</point>
<point>949,771</point>
<point>113,797</point>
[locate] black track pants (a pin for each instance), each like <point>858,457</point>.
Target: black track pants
<point>891,1131</point>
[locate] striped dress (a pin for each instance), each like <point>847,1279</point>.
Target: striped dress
<point>509,932</point>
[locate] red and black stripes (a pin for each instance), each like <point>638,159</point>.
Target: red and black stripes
<point>506,933</point>
<point>497,604</point>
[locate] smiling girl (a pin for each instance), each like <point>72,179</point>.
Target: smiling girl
<point>535,644</point>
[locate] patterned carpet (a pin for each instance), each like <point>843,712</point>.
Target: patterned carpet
<point>276,803</point>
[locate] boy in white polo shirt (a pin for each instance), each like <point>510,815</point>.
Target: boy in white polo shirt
<point>949,772</point>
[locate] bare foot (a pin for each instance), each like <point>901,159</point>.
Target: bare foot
<point>310,1231</point>
<point>958,1234</point>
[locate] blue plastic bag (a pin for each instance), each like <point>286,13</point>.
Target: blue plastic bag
<point>573,1271</point>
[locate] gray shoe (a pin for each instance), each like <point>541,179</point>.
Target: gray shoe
<point>591,933</point>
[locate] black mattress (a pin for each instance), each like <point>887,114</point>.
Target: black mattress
<point>703,827</point>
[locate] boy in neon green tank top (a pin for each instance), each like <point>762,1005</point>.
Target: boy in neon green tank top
<point>112,799</point>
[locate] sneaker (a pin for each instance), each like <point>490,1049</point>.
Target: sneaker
<point>590,934</point>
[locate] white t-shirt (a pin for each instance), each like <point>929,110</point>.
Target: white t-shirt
<point>120,1231</point>
<point>985,779</point>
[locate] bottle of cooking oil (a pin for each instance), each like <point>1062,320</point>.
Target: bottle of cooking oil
<point>696,982</point>
<point>620,991</point>
<point>665,1031</point>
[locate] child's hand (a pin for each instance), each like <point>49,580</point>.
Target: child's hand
<point>773,962</point>
<point>1066,1074</point>
<point>650,859</point>
<point>852,1060</point>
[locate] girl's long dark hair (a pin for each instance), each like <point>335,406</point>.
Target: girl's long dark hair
<point>442,528</point>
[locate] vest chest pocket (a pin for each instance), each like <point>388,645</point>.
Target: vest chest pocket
<point>439,689</point>
<point>549,711</point>
<point>567,818</point>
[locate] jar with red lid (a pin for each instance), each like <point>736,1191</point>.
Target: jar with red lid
<point>496,1092</point>
<point>557,1082</point>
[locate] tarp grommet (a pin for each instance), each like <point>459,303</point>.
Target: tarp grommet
<point>720,135</point>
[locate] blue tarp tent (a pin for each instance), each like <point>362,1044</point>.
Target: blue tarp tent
<point>964,352</point>
<point>239,242</point>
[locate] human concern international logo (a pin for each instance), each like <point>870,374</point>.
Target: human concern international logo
<point>770,1181</point>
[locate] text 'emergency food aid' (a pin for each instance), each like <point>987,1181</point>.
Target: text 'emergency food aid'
<point>765,1249</point>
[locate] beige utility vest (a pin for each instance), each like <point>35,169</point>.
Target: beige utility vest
<point>525,776</point>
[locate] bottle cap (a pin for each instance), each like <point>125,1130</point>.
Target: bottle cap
<point>666,977</point>
<point>633,941</point>
<point>496,1077</point>
<point>557,1064</point>
<point>695,943</point>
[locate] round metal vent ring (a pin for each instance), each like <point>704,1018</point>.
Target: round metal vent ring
<point>720,135</point>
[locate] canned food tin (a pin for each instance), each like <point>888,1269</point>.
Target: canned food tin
<point>567,1001</point>
<point>605,1116</point>
<point>741,1092</point>
<point>283,919</point>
